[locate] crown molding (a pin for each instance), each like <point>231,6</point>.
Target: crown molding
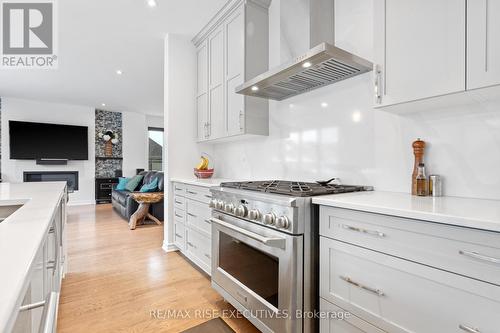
<point>222,14</point>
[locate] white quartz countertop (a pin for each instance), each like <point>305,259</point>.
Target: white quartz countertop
<point>474,213</point>
<point>210,182</point>
<point>21,235</point>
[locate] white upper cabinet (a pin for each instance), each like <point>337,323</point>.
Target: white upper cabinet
<point>483,39</point>
<point>216,128</point>
<point>234,47</point>
<point>420,49</point>
<point>202,90</point>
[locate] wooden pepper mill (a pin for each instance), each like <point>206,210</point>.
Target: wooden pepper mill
<point>418,151</point>
<point>108,148</point>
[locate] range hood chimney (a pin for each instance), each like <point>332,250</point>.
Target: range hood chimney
<point>322,65</point>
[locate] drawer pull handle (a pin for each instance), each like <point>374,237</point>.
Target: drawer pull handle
<point>177,235</point>
<point>364,231</point>
<point>191,244</point>
<point>191,214</point>
<point>479,256</point>
<point>359,285</point>
<point>32,306</point>
<point>191,192</point>
<point>179,215</point>
<point>468,329</point>
<point>208,196</point>
<point>178,189</point>
<point>207,221</point>
<point>178,202</point>
<point>208,256</point>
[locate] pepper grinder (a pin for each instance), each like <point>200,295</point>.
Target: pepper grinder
<point>418,151</point>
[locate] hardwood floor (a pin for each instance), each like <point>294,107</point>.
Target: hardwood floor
<point>120,280</point>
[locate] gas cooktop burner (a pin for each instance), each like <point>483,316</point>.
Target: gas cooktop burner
<point>296,189</point>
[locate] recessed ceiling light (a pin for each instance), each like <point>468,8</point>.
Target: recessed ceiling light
<point>324,105</point>
<point>255,88</point>
<point>307,64</point>
<point>119,72</point>
<point>152,3</point>
<point>103,104</point>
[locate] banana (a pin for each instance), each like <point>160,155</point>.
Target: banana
<point>203,165</point>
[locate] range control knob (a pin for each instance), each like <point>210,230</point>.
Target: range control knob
<point>269,218</point>
<point>229,208</point>
<point>283,222</point>
<point>241,211</point>
<point>219,205</point>
<point>212,203</point>
<point>254,214</point>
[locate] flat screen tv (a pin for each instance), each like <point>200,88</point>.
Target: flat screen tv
<point>33,141</point>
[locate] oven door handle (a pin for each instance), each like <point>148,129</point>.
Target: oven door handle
<point>272,242</point>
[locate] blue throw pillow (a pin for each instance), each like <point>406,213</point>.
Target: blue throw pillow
<point>133,183</point>
<point>122,182</point>
<point>151,187</point>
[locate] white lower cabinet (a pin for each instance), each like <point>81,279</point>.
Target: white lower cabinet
<point>38,308</point>
<point>192,227</point>
<point>340,321</point>
<point>393,294</point>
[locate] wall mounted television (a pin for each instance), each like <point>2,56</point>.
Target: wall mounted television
<point>36,141</point>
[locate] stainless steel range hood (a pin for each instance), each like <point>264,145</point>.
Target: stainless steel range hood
<point>322,65</point>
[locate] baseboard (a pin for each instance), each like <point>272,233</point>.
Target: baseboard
<point>80,203</point>
<point>169,247</point>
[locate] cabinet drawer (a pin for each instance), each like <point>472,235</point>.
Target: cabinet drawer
<point>402,296</point>
<point>198,193</point>
<point>179,202</point>
<point>198,249</point>
<point>464,251</point>
<point>179,215</point>
<point>348,324</point>
<point>179,189</point>
<point>180,236</point>
<point>198,216</point>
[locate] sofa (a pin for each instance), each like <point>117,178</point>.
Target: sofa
<point>126,206</point>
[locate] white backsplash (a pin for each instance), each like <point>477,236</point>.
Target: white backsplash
<point>334,131</point>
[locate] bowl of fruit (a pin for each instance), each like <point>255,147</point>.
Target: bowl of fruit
<point>203,169</point>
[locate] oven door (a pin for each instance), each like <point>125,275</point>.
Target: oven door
<point>259,270</point>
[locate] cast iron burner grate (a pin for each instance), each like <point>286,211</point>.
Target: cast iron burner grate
<point>292,188</point>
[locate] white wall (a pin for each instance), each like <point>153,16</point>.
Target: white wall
<point>351,140</point>
<point>155,121</point>
<point>135,143</point>
<point>181,150</point>
<point>24,110</point>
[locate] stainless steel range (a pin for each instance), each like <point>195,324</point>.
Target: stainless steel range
<point>264,250</point>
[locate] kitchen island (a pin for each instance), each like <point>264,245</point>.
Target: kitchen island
<point>32,254</point>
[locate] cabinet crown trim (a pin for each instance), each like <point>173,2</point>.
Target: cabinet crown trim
<point>222,14</point>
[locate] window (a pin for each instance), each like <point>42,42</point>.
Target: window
<point>155,148</point>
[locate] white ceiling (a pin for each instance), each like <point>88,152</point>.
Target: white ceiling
<point>98,37</point>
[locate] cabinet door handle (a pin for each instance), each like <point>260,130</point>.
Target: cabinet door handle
<point>377,84</point>
<point>177,235</point>
<point>208,256</point>
<point>178,189</point>
<point>207,221</point>
<point>191,192</point>
<point>192,215</point>
<point>377,292</point>
<point>468,329</point>
<point>178,215</point>
<point>191,244</point>
<point>178,202</point>
<point>479,256</point>
<point>208,196</point>
<point>241,116</point>
<point>364,231</point>
<point>31,306</point>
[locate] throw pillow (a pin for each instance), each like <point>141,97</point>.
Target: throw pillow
<point>133,183</point>
<point>151,187</point>
<point>122,182</point>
